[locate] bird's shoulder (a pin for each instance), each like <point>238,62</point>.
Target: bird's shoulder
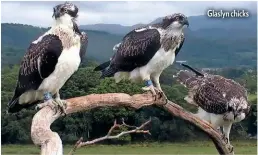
<point>137,42</point>
<point>142,33</point>
<point>84,44</point>
<point>46,46</point>
<point>84,37</point>
<point>136,49</point>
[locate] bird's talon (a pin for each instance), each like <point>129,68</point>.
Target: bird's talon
<point>232,149</point>
<point>225,138</point>
<point>60,105</point>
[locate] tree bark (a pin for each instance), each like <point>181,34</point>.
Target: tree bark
<point>51,144</point>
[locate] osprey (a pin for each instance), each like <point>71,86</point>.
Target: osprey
<point>220,101</point>
<point>50,61</point>
<point>145,52</point>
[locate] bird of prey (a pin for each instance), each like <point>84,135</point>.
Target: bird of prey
<point>145,52</point>
<point>50,61</point>
<point>220,101</point>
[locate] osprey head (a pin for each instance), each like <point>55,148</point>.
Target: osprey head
<point>67,9</point>
<point>176,20</point>
<point>239,108</point>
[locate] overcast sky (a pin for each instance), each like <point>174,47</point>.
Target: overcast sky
<point>124,13</point>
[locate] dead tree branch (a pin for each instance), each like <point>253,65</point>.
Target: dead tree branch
<point>51,143</point>
<point>136,129</point>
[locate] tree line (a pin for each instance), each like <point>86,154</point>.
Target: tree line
<point>96,122</point>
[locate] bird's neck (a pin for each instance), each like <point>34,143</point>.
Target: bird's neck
<point>173,31</point>
<point>64,21</point>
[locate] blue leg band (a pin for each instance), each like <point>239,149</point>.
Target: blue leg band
<point>47,96</point>
<point>148,83</point>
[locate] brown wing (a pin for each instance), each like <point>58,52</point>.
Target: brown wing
<point>136,49</point>
<point>209,98</point>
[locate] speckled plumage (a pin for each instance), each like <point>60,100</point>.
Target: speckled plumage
<point>220,101</point>
<point>213,93</point>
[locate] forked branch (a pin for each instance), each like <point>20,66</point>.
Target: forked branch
<point>51,143</point>
<point>136,129</point>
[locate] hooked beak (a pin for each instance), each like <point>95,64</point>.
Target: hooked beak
<point>56,13</point>
<point>185,22</point>
<point>235,115</point>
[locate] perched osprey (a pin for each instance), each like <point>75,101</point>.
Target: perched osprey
<point>50,61</point>
<point>145,52</point>
<point>220,101</point>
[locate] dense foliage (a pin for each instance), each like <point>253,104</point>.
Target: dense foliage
<point>96,122</point>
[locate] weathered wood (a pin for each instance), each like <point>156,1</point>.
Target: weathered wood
<point>51,143</point>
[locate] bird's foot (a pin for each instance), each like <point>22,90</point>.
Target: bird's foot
<point>47,101</point>
<point>157,94</point>
<point>165,97</point>
<point>230,148</point>
<point>62,104</point>
<point>54,104</point>
<point>224,137</point>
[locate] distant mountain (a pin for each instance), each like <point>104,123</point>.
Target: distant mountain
<point>196,23</point>
<point>110,28</point>
<point>207,47</point>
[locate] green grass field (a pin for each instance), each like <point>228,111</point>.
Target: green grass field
<point>252,97</point>
<point>205,147</point>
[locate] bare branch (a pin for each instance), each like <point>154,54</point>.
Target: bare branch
<point>139,129</point>
<point>51,143</point>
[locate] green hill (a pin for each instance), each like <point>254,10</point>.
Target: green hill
<point>17,37</point>
<point>202,48</point>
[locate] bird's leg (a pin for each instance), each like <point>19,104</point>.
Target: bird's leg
<point>57,102</point>
<point>60,103</point>
<point>47,101</point>
<point>149,87</point>
<point>220,131</point>
<point>225,136</point>
<point>160,91</point>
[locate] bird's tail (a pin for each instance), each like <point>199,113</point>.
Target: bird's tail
<point>102,66</point>
<point>108,72</point>
<point>192,69</point>
<point>13,106</point>
<point>186,77</point>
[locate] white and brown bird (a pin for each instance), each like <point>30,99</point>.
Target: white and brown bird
<point>145,52</point>
<point>50,61</point>
<point>220,101</point>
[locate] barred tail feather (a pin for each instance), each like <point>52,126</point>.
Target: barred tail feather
<point>109,72</point>
<point>188,78</point>
<point>182,76</point>
<point>102,66</point>
<point>192,69</point>
<point>14,106</point>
